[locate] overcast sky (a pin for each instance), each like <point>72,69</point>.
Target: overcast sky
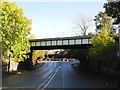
<point>50,18</point>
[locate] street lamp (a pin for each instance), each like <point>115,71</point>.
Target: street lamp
<point>119,38</point>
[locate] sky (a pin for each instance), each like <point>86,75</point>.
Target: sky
<point>57,19</point>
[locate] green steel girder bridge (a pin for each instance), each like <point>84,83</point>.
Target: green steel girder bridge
<point>76,42</point>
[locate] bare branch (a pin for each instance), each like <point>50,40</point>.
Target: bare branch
<point>82,22</point>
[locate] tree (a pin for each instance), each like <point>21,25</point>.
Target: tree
<point>14,29</point>
<point>102,44</point>
<point>82,22</point>
<point>113,9</point>
<point>103,51</point>
<point>103,21</point>
<point>103,40</point>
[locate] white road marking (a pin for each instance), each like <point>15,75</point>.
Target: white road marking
<point>40,78</point>
<point>48,80</point>
<point>51,78</point>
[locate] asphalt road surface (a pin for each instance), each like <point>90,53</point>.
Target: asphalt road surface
<point>52,75</point>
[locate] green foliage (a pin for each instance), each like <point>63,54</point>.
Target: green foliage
<point>103,22</point>
<point>103,53</point>
<point>102,44</point>
<point>14,29</point>
<point>113,10</point>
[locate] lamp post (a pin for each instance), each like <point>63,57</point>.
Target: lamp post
<point>9,53</point>
<point>119,38</point>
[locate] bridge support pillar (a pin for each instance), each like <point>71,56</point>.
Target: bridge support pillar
<point>67,60</point>
<point>27,63</point>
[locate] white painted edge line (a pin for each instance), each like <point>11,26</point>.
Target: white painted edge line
<point>48,80</point>
<point>39,78</point>
<point>45,81</point>
<point>51,78</point>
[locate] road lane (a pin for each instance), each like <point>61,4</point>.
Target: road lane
<point>67,77</point>
<point>31,79</point>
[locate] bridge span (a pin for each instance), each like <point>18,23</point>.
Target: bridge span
<point>75,42</point>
